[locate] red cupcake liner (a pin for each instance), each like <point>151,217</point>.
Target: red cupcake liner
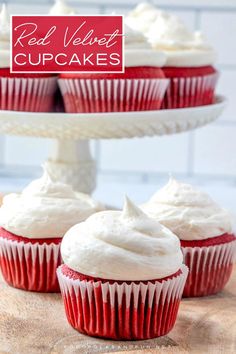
<point>190,92</point>
<point>30,266</point>
<point>117,95</point>
<point>209,268</point>
<point>27,94</point>
<point>122,310</point>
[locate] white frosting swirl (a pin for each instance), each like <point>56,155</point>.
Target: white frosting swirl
<point>4,38</point>
<point>125,245</point>
<point>138,51</point>
<point>188,212</point>
<point>60,8</point>
<point>45,209</point>
<point>168,33</point>
<point>142,16</point>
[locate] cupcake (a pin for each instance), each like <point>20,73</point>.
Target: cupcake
<point>122,276</point>
<point>190,59</point>
<point>32,225</point>
<point>22,92</point>
<point>141,87</point>
<point>205,233</point>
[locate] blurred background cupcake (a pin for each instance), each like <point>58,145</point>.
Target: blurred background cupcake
<point>141,87</point>
<point>205,233</point>
<point>22,92</point>
<point>32,224</point>
<point>123,275</point>
<point>190,59</point>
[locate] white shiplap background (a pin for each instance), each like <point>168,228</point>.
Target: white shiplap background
<point>206,153</point>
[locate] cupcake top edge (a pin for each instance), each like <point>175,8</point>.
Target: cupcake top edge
<point>46,208</point>
<point>166,32</point>
<point>4,37</point>
<point>189,212</point>
<point>122,245</point>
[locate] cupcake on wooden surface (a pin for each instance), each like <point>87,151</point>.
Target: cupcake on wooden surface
<point>205,233</point>
<point>122,276</point>
<point>32,224</point>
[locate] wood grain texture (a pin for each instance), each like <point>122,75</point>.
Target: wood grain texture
<point>32,323</point>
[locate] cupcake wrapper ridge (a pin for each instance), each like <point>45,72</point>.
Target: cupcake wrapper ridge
<point>209,268</point>
<point>190,92</point>
<point>122,311</point>
<point>117,95</point>
<point>27,94</point>
<point>30,266</point>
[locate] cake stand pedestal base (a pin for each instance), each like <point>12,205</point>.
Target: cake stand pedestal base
<point>71,162</point>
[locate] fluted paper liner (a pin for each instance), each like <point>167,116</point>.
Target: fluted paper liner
<point>127,310</point>
<point>112,95</point>
<point>30,266</point>
<point>27,94</point>
<point>209,268</point>
<point>190,92</point>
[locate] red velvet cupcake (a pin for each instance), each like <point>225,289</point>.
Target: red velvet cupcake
<point>141,87</point>
<point>210,262</point>
<point>189,64</point>
<point>123,276</point>
<point>30,264</point>
<point>43,212</point>
<point>190,86</point>
<point>27,92</point>
<point>205,233</point>
<point>22,92</point>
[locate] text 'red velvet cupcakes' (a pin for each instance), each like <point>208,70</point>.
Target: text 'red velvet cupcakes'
<point>205,232</point>
<point>190,59</point>
<point>122,276</point>
<point>141,87</point>
<point>32,225</point>
<point>22,92</point>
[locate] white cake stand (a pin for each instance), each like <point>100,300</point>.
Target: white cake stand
<point>71,159</point>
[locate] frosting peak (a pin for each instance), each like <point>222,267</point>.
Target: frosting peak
<point>4,38</point>
<point>46,186</point>
<point>125,245</point>
<point>45,209</point>
<point>60,8</point>
<point>190,213</point>
<point>130,210</point>
<point>4,19</point>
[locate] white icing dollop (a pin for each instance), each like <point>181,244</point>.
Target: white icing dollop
<point>142,17</point>
<point>188,212</point>
<point>168,33</point>
<point>125,245</point>
<point>138,51</point>
<point>45,209</point>
<point>4,38</point>
<point>60,8</point>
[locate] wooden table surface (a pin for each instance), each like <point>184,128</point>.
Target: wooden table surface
<point>33,323</point>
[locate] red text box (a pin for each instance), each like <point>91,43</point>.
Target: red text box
<point>67,44</point>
